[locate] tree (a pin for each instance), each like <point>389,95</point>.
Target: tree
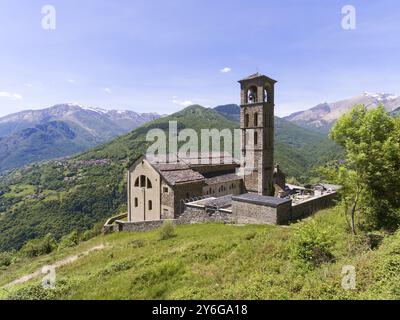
<point>371,170</point>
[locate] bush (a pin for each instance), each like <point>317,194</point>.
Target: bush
<point>250,235</point>
<point>69,241</point>
<point>115,267</point>
<point>6,258</point>
<point>94,232</point>
<point>137,243</point>
<point>38,247</point>
<point>38,292</point>
<point>311,246</point>
<point>167,231</point>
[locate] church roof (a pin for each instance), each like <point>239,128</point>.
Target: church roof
<point>183,171</point>
<point>170,166</point>
<point>223,178</point>
<point>255,76</point>
<point>174,177</point>
<point>258,199</point>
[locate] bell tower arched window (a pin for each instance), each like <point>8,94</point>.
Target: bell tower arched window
<point>255,119</point>
<point>267,96</point>
<point>246,120</point>
<point>252,94</point>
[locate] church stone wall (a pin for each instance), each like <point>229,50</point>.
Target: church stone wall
<point>140,226</point>
<point>194,214</point>
<point>167,201</point>
<point>313,205</point>
<point>249,213</point>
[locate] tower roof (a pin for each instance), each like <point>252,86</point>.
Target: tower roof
<point>256,76</point>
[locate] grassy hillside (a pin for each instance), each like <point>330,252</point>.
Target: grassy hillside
<point>216,261</point>
<point>74,194</point>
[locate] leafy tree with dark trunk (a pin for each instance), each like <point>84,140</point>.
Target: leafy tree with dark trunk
<point>370,174</point>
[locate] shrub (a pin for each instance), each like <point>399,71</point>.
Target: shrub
<point>6,258</point>
<point>137,243</point>
<point>167,231</point>
<point>70,240</point>
<point>116,267</point>
<point>251,235</point>
<point>94,232</point>
<point>38,292</point>
<point>311,246</point>
<point>38,247</point>
<point>87,235</point>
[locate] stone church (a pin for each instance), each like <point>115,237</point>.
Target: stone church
<point>159,191</point>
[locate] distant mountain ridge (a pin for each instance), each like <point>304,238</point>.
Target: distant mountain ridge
<point>104,124</point>
<point>230,111</point>
<point>61,130</point>
<point>396,112</point>
<point>322,117</point>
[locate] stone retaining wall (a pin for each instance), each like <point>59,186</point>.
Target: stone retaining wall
<point>141,226</point>
<point>110,225</point>
<point>248,213</point>
<point>311,206</point>
<point>198,214</point>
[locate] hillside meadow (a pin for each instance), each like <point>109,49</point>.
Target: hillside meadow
<point>217,261</point>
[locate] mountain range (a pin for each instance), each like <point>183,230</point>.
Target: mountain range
<point>61,130</point>
<point>322,117</point>
<point>65,129</point>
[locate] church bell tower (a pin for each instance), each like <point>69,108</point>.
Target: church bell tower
<point>257,133</point>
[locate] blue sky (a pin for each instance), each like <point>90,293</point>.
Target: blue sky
<point>157,56</point>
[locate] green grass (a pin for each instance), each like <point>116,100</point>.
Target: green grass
<point>21,190</point>
<point>216,261</point>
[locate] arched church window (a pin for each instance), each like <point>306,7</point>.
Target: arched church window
<point>150,205</point>
<point>255,138</point>
<point>149,185</point>
<point>246,120</point>
<point>143,181</point>
<point>137,182</point>
<point>256,119</point>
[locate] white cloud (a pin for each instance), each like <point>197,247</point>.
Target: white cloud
<point>72,81</point>
<point>9,95</point>
<point>108,90</point>
<point>226,70</point>
<point>185,103</point>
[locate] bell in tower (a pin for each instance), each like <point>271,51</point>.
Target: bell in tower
<point>257,133</point>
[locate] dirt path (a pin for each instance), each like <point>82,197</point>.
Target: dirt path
<point>57,264</point>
